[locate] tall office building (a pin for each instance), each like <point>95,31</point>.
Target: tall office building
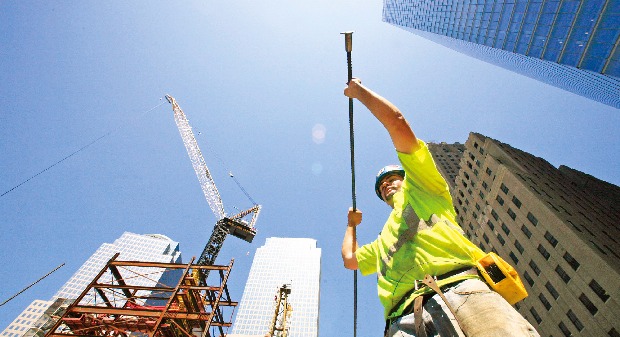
<point>558,227</point>
<point>132,247</point>
<point>448,160</point>
<point>570,44</point>
<point>292,261</point>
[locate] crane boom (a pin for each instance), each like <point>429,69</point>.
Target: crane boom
<point>198,162</point>
<point>235,225</point>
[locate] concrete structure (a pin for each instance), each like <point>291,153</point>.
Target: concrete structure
<point>557,226</point>
<point>448,159</point>
<point>570,44</point>
<point>293,261</point>
<point>133,247</point>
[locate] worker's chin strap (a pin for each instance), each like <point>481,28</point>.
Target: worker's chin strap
<point>419,301</point>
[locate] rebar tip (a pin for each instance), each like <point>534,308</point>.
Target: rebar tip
<point>348,41</point>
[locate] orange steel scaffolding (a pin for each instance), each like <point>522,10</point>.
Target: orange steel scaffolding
<point>118,304</point>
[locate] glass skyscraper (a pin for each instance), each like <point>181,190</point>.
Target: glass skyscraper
<point>570,44</point>
<point>132,247</point>
<point>292,261</point>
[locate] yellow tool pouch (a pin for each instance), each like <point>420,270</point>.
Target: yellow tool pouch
<point>501,277</point>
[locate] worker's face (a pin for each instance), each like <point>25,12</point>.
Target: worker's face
<point>390,184</point>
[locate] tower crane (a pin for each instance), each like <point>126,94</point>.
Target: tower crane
<point>240,225</point>
<point>283,310</point>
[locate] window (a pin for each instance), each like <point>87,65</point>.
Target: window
<point>519,247</point>
<point>505,229</point>
<point>571,261</point>
<point>526,231</point>
<point>504,188</point>
<point>489,171</point>
<point>532,218</point>
<point>501,239</point>
<point>543,252</point>
<point>516,201</point>
<point>494,214</point>
<point>563,275</point>
<point>528,278</point>
<point>534,267</point>
<point>588,304</point>
<point>535,315</point>
<point>552,291</point>
<point>485,237</point>
<point>499,200</point>
<point>544,301</point>
<point>491,225</point>
<point>613,333</point>
<point>481,195</point>
<point>514,257</point>
<point>573,318</point>
<point>551,239</point>
<point>512,214</point>
<point>599,291</point>
<point>564,329</point>
<point>484,184</point>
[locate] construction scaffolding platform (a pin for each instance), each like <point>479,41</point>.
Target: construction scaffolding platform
<point>117,303</point>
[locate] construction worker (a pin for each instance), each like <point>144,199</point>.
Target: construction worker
<point>421,237</point>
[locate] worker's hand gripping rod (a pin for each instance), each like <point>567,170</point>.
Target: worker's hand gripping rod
<point>348,45</point>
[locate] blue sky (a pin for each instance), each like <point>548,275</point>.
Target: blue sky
<point>255,79</point>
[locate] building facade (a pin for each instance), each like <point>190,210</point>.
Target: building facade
<point>570,44</point>
<point>132,247</point>
<point>292,261</point>
<point>27,318</point>
<point>448,160</point>
<point>557,226</point>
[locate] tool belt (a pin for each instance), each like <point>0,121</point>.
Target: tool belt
<point>418,302</point>
<point>498,274</point>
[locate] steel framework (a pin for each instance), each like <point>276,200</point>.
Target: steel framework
<point>183,309</point>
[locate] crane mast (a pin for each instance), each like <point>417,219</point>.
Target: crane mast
<point>237,225</point>
<point>282,313</point>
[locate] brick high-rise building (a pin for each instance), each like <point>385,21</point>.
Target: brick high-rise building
<point>447,159</point>
<point>558,226</point>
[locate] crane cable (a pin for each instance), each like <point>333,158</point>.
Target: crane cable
<point>32,284</point>
<point>75,152</point>
<point>348,37</point>
<point>242,189</point>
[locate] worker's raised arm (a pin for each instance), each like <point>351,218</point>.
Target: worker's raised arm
<point>349,244</point>
<point>392,119</point>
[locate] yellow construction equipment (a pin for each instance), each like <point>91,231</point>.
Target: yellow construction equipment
<point>282,314</point>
